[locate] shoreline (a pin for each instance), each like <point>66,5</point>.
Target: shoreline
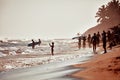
<point>24,61</point>
<point>55,71</point>
<point>101,66</point>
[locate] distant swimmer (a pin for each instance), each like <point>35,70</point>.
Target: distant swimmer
<point>52,48</point>
<point>94,42</point>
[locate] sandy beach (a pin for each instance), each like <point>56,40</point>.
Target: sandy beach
<point>101,66</point>
<point>59,39</point>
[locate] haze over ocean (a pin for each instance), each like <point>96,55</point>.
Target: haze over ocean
<point>47,19</point>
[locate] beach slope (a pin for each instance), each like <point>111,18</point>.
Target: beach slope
<point>101,67</point>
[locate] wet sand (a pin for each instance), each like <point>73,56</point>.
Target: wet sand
<point>101,67</point>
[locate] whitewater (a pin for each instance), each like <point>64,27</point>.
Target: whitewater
<point>20,62</point>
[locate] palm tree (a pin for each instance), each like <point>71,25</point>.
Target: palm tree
<point>109,13</point>
<point>113,10</point>
<point>101,14</point>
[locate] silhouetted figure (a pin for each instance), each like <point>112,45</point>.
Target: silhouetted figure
<point>84,41</point>
<point>89,40</point>
<point>98,35</point>
<point>33,44</point>
<point>108,36</point>
<point>109,39</point>
<point>104,41</point>
<point>94,42</point>
<point>79,42</point>
<point>52,48</point>
<point>1,41</point>
<point>39,42</point>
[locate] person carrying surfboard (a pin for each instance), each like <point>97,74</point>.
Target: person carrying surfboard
<point>33,44</point>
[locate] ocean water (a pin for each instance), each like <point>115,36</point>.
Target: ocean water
<point>24,63</point>
<point>13,47</point>
<point>18,55</point>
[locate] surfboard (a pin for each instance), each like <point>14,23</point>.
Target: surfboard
<point>36,43</point>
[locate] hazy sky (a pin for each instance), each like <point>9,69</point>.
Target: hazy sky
<point>47,19</point>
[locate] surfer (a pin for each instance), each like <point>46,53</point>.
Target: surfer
<point>52,48</point>
<point>33,44</point>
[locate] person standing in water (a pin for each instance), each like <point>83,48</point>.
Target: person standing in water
<point>52,48</point>
<point>94,42</point>
<point>98,42</point>
<point>33,44</point>
<point>89,40</point>
<point>104,41</point>
<point>39,42</point>
<point>84,41</point>
<point>79,42</point>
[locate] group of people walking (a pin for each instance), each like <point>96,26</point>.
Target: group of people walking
<point>111,37</point>
<point>92,40</point>
<point>95,39</point>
